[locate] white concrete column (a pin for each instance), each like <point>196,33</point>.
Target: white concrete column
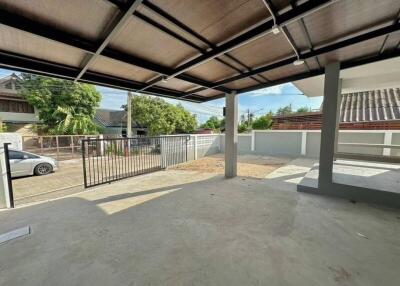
<point>303,143</point>
<point>195,145</point>
<point>253,140</point>
<point>4,192</point>
<point>387,140</point>
<point>330,121</point>
<point>231,134</point>
<point>129,115</point>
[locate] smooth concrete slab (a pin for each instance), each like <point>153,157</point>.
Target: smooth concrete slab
<point>379,176</point>
<point>189,228</point>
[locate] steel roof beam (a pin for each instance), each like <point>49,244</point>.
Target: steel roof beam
<point>306,34</point>
<point>253,34</point>
<point>28,64</point>
<point>343,65</point>
<point>383,47</point>
<point>36,28</point>
<point>188,30</point>
<point>123,18</point>
<point>181,39</point>
<point>319,51</point>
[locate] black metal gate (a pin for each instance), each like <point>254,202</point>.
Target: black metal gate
<point>107,160</point>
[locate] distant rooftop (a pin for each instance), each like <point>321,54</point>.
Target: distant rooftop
<point>365,106</point>
<point>111,118</point>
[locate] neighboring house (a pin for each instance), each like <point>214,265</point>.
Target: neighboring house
<point>114,122</point>
<point>15,111</point>
<point>375,109</point>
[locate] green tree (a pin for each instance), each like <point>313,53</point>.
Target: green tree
<point>263,122</point>
<point>161,117</point>
<point>302,109</point>
<point>284,110</point>
<point>243,127</point>
<point>212,123</point>
<point>64,107</point>
<point>73,123</point>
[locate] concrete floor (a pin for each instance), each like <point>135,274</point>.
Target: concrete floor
<point>189,228</point>
<point>378,176</point>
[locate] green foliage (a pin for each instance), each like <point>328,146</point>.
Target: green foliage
<point>243,127</point>
<point>3,127</point>
<point>284,110</point>
<point>302,109</point>
<point>64,107</point>
<point>73,123</point>
<point>161,117</point>
<point>213,123</point>
<point>263,122</point>
<point>114,148</point>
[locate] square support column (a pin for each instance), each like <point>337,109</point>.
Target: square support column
<point>231,134</point>
<point>330,123</point>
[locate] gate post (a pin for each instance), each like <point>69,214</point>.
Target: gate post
<point>6,194</point>
<point>163,152</point>
<point>84,163</point>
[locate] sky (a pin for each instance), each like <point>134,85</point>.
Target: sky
<point>258,102</point>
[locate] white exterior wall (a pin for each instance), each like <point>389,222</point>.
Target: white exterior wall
<point>14,138</point>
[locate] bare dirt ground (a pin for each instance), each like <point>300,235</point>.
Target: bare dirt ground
<point>248,165</point>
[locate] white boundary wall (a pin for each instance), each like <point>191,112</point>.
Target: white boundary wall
<point>307,142</point>
<point>294,143</point>
<point>201,145</point>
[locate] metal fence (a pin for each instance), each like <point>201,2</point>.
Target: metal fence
<point>110,159</point>
<point>60,147</point>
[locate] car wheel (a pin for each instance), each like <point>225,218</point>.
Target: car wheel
<point>43,169</point>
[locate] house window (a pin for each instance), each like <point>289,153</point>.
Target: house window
<point>15,106</point>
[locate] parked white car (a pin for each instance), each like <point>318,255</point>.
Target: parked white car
<point>26,164</point>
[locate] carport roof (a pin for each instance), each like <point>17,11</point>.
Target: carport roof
<point>194,50</point>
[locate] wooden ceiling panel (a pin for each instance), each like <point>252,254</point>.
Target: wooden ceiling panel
<point>120,69</point>
<point>266,49</point>
<point>360,50</point>
<point>216,20</point>
<point>142,40</point>
<point>212,71</point>
<point>345,17</point>
<point>177,84</point>
<point>209,93</point>
<point>170,26</point>
<point>393,42</point>
<point>297,33</point>
<point>241,83</point>
<point>88,21</point>
<point>285,71</point>
<point>26,44</point>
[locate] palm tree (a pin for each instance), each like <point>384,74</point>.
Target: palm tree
<point>73,123</point>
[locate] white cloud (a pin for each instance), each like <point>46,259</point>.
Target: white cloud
<point>277,89</point>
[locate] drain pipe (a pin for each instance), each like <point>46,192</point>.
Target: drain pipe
<point>276,29</point>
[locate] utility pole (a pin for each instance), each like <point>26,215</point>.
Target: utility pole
<point>129,115</point>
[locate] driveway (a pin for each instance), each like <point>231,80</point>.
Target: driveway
<point>66,180</point>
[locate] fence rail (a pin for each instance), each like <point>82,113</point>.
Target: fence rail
<point>110,159</point>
